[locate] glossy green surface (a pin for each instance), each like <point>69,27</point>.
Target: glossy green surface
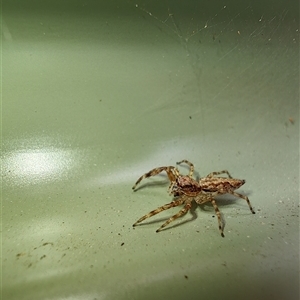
<point>95,95</point>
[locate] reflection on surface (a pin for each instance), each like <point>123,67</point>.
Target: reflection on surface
<point>37,165</point>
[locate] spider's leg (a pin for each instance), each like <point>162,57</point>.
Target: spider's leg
<point>160,209</point>
<point>203,197</point>
<point>243,197</point>
<point>188,163</point>
<point>155,172</point>
<point>183,211</point>
<point>171,187</point>
<point>218,173</point>
<point>221,225</point>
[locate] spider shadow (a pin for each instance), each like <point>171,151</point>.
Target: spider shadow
<point>223,201</point>
<point>228,199</point>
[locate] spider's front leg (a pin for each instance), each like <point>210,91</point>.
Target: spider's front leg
<point>171,172</point>
<point>160,209</point>
<point>191,172</point>
<point>183,211</point>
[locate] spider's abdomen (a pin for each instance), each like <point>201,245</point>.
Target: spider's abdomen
<point>221,185</point>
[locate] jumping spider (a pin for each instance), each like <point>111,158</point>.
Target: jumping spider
<point>186,189</point>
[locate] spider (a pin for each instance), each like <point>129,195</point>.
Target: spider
<point>186,189</point>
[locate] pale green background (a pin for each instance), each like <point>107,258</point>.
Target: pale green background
<point>96,93</point>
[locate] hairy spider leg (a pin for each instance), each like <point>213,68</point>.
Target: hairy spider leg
<point>160,209</point>
<point>188,163</point>
<point>171,171</point>
<point>208,197</point>
<point>219,173</point>
<point>221,226</point>
<point>243,197</point>
<point>183,211</point>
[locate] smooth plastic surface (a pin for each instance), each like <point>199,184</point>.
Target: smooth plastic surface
<point>95,95</point>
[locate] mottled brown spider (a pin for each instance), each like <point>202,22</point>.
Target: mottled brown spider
<point>186,190</point>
